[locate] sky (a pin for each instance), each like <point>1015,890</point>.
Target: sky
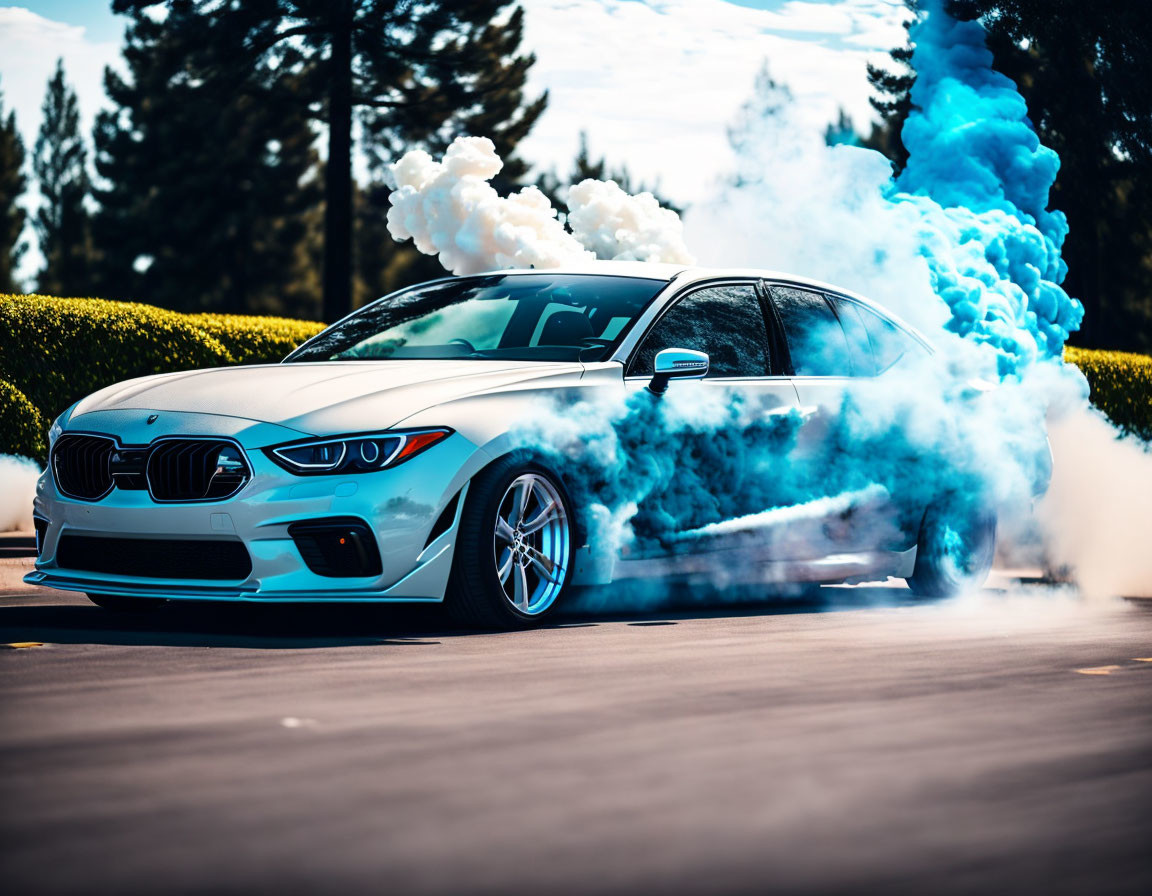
<point>653,82</point>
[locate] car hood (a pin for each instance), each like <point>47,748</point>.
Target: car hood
<point>323,398</point>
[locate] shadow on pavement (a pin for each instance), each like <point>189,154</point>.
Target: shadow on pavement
<point>350,625</point>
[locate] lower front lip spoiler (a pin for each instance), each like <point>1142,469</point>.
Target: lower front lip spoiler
<point>425,584</point>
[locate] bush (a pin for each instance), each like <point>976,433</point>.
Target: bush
<point>1121,384</point>
<point>59,350</point>
<point>256,340</point>
<point>22,428</point>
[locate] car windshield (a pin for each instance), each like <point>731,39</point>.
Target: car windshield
<point>522,317</point>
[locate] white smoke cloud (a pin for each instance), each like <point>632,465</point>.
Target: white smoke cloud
<point>17,489</point>
<point>615,225</point>
<point>450,209</point>
<point>795,205</point>
<point>1097,515</point>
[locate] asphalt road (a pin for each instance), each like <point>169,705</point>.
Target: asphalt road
<point>1000,743</point>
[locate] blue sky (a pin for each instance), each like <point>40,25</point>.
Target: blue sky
<point>653,82</point>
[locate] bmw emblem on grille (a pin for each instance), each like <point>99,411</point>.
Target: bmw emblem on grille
<point>153,418</point>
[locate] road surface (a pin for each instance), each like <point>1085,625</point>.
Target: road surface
<point>999,743</point>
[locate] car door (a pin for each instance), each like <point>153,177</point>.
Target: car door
<point>834,362</point>
<point>709,462</point>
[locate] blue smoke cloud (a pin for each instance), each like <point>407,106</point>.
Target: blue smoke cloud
<point>965,228</point>
<point>979,177</point>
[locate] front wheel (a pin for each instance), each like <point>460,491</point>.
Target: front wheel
<point>954,552</point>
<point>514,549</point>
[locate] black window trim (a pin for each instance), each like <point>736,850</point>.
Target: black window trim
<point>694,287</point>
<point>826,295</point>
<point>925,346</point>
<point>829,295</point>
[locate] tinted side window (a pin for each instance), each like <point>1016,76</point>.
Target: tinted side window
<point>724,321</point>
<point>815,340</point>
<point>889,344</point>
<point>863,364</point>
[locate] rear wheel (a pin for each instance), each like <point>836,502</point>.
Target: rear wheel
<point>513,554</point>
<point>118,603</point>
<point>954,552</point>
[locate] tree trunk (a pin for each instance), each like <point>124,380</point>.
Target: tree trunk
<point>338,171</point>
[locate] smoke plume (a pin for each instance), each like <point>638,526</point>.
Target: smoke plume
<point>962,244</point>
<point>17,487</point>
<point>1097,514</point>
<point>450,209</point>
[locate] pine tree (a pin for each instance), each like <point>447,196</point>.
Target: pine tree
<point>585,166</point>
<point>841,131</point>
<point>209,182</point>
<point>892,97</point>
<point>413,73</point>
<point>12,184</point>
<point>62,224</point>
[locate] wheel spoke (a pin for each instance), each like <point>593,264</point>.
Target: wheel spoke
<point>520,499</point>
<point>545,516</point>
<point>503,530</point>
<point>506,566</point>
<point>523,595</point>
<point>541,562</point>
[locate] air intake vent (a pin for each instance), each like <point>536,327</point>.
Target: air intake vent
<point>342,547</point>
<point>195,470</point>
<point>155,558</point>
<point>80,466</point>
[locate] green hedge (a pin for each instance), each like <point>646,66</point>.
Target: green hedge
<point>256,340</point>
<point>56,351</point>
<point>1121,384</point>
<point>59,350</point>
<point>22,428</point>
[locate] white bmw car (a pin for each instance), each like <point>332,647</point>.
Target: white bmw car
<point>378,461</point>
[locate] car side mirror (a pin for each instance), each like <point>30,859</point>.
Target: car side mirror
<point>677,364</point>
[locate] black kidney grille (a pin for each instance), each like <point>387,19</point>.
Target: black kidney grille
<point>155,558</point>
<point>195,470</point>
<point>86,468</point>
<point>80,465</point>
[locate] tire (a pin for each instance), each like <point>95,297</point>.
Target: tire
<point>497,535</point>
<point>118,603</point>
<point>954,552</point>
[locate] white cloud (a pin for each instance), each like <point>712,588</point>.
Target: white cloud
<point>29,47</point>
<point>656,84</point>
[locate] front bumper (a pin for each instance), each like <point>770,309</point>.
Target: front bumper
<point>401,507</point>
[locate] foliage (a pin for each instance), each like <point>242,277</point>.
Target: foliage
<point>206,174</point>
<point>256,340</point>
<point>415,74</point>
<point>60,164</point>
<point>892,89</point>
<point>59,350</point>
<point>1121,384</point>
<point>22,428</point>
<point>12,184</point>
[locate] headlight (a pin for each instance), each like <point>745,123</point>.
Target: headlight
<point>57,426</point>
<point>54,431</point>
<point>354,454</point>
